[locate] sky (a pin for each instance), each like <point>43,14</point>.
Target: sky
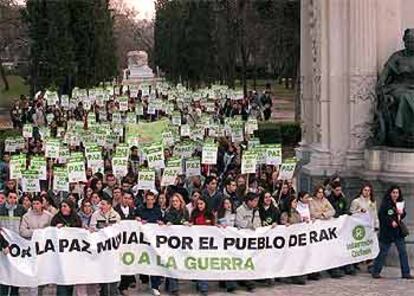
<point>146,8</point>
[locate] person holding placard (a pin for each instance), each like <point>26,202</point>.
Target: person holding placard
<point>392,230</point>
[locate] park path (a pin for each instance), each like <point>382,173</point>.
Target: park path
<point>361,284</point>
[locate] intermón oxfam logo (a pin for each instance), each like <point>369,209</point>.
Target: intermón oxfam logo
<point>358,232</point>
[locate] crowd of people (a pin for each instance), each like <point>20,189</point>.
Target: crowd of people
<point>220,196</point>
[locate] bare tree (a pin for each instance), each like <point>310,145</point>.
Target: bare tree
<point>11,34</point>
<point>130,32</point>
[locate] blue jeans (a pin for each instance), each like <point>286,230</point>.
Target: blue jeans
<point>155,282</point>
<point>171,285</point>
<point>402,252</point>
<point>202,286</point>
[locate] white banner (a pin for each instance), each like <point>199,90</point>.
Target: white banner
<point>185,252</point>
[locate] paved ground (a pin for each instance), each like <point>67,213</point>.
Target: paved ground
<point>361,284</point>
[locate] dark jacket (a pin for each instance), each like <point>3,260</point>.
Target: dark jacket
<point>19,211</point>
<point>387,214</point>
<point>340,204</point>
<point>213,201</point>
<point>233,196</point>
<point>149,215</point>
<point>67,221</point>
<point>3,242</point>
<point>176,217</point>
<point>269,216</point>
<point>130,216</point>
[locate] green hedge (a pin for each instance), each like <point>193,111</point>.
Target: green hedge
<point>284,133</point>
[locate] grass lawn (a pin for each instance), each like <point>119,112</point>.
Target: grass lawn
<point>17,87</point>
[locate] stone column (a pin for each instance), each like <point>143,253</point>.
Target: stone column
<point>362,53</point>
<point>306,76</point>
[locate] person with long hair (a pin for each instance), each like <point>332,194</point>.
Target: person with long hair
<point>391,215</point>
<point>321,209</point>
<point>66,217</point>
<point>226,216</point>
<point>365,203</point>
<point>201,215</point>
<point>269,213</point>
<point>226,213</point>
<point>176,214</point>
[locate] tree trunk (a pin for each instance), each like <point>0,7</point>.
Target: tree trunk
<point>254,76</point>
<point>3,77</point>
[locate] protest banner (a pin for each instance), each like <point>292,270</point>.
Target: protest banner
<point>60,179</point>
<point>76,169</point>
<point>287,169</point>
<point>119,166</point>
<point>94,159</point>
<point>146,179</point>
<point>155,156</point>
<point>17,165</point>
<point>52,148</point>
<point>30,181</point>
<point>249,162</point>
<point>27,131</point>
<point>274,154</point>
<point>170,175</point>
<point>38,163</point>
<point>209,153</point>
<point>183,252</point>
<point>192,167</point>
<point>146,132</point>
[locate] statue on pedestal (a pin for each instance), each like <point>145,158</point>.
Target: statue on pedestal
<point>395,94</point>
<point>138,65</point>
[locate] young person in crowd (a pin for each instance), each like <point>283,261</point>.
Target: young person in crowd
<point>176,214</point>
<point>126,212</point>
<point>341,206</point>
<point>248,217</point>
<point>321,209</point>
<point>269,213</point>
<point>289,217</point>
<point>105,216</point>
<point>36,218</point>
<point>10,216</point>
<point>392,230</point>
<point>66,217</point>
<point>202,216</point>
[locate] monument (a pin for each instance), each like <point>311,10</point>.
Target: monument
<point>138,69</point>
<point>344,46</point>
